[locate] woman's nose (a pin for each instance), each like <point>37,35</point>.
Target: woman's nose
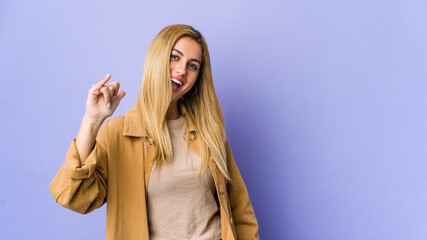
<point>180,67</point>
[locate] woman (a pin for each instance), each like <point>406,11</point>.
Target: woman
<point>165,167</point>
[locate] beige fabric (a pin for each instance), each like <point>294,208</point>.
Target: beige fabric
<point>180,204</point>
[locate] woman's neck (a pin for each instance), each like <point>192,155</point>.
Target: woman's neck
<point>173,111</point>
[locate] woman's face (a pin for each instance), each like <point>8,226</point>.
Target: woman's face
<point>185,62</point>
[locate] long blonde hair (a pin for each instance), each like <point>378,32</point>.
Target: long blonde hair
<point>201,109</point>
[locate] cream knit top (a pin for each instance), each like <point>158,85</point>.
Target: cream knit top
<point>180,204</point>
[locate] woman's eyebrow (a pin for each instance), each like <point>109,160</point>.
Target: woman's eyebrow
<point>193,59</point>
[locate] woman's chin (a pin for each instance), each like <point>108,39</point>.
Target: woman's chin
<point>175,97</point>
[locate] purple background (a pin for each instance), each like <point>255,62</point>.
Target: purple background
<point>325,106</point>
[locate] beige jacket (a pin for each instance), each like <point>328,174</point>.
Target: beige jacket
<point>117,172</point>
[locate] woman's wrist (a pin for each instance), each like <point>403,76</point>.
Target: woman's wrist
<point>87,135</point>
<point>95,122</point>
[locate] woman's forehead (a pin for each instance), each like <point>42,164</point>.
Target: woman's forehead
<point>188,48</point>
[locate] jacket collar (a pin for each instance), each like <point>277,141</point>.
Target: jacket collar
<point>133,127</point>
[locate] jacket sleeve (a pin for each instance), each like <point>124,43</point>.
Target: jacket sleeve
<point>245,222</point>
<point>82,187</point>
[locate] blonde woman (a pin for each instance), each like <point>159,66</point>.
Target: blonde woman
<point>164,168</point>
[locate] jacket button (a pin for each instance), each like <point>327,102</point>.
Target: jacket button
<point>149,141</point>
<point>221,190</point>
<point>193,136</point>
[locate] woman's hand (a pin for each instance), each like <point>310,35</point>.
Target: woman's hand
<point>103,99</point>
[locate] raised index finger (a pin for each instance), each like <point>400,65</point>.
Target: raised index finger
<point>101,83</point>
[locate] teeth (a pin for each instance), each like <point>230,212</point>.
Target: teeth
<point>176,81</point>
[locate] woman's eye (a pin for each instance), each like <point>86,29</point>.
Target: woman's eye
<point>193,66</point>
<point>174,57</point>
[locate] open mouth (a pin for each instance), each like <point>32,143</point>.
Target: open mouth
<point>176,84</point>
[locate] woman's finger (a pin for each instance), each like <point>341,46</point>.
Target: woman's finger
<point>106,92</point>
<point>121,94</point>
<point>116,87</point>
<point>116,100</point>
<point>94,92</point>
<point>101,83</point>
<point>113,89</point>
